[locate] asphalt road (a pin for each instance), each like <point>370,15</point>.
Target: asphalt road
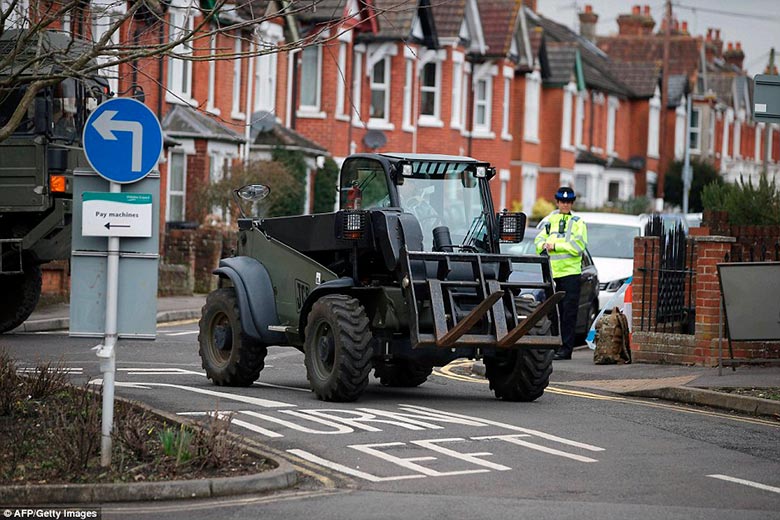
<point>447,449</point>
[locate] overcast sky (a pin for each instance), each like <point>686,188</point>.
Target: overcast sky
<point>755,23</point>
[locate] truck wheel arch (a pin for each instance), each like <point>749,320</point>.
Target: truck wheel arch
<point>258,304</point>
<point>339,285</point>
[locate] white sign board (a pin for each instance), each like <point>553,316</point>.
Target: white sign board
<point>116,214</point>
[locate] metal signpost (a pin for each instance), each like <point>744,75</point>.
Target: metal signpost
<point>123,142</point>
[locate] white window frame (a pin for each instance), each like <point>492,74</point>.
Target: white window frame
<point>341,77</point>
<point>311,110</point>
<point>464,99</point>
<point>482,124</point>
<point>653,125</point>
<point>579,119</point>
<point>533,87</point>
<point>569,91</point>
<point>265,82</point>
<point>179,86</point>
<point>530,174</point>
<point>456,115</point>
<point>409,76</point>
<point>435,89</point>
<point>235,110</point>
<point>613,104</point>
<point>504,176</point>
<point>357,84</point>
<point>711,132</point>
<point>509,75</point>
<point>382,88</point>
<point>738,134</point>
<point>176,193</point>
<point>211,106</point>
<point>726,122</point>
<point>695,130</point>
<point>103,18</point>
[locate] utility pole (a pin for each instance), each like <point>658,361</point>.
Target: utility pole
<point>770,69</point>
<point>664,104</point>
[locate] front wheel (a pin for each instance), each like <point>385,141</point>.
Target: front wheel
<point>228,355</point>
<point>20,296</point>
<point>338,348</point>
<point>524,373</point>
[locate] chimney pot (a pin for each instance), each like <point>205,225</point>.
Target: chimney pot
<point>588,8</point>
<point>685,27</point>
<point>636,10</point>
<point>647,10</point>
<point>717,34</point>
<point>739,46</point>
<point>709,33</point>
<point>729,46</point>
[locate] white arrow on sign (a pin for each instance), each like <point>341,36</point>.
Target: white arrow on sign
<point>106,125</point>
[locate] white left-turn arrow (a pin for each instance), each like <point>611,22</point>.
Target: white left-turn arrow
<point>106,125</point>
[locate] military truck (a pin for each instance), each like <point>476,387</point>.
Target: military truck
<point>404,277</point>
<point>37,163</point>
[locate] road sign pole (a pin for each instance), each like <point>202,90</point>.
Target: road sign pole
<point>107,351</point>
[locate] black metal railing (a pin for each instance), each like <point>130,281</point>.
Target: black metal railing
<point>667,290</point>
<point>759,249</point>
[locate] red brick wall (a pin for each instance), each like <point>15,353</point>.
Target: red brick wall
<point>551,126</point>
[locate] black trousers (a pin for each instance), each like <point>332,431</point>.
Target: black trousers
<point>567,310</point>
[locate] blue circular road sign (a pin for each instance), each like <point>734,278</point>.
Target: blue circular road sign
<point>122,140</point>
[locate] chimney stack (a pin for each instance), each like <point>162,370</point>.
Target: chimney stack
<point>637,23</point>
<point>588,21</point>
<point>734,55</point>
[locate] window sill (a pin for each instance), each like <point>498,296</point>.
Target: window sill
<point>532,140</point>
<point>180,99</point>
<point>653,156</point>
<point>430,122</point>
<point>483,134</point>
<point>408,128</point>
<point>238,116</point>
<point>342,117</point>
<point>213,110</point>
<point>310,114</point>
<point>380,124</point>
<point>567,148</point>
<point>507,137</point>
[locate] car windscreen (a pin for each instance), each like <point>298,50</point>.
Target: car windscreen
<point>611,240</point>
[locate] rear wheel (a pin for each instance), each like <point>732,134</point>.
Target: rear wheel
<point>20,296</point>
<point>228,355</point>
<point>338,348</point>
<point>524,373</point>
<point>403,373</point>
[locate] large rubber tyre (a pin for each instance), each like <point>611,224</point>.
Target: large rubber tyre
<point>402,373</point>
<point>524,373</point>
<point>338,348</point>
<point>21,293</point>
<point>229,356</point>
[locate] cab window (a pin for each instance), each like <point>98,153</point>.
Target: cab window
<point>364,179</point>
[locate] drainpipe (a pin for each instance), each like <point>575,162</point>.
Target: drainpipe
<point>248,109</point>
<point>592,114</point>
<point>295,58</point>
<point>470,109</point>
<point>160,36</point>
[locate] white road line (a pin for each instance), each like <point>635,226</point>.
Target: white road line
<point>744,482</point>
<point>265,403</point>
<point>552,451</point>
<point>185,333</point>
<point>345,469</point>
<point>159,371</point>
<point>35,370</point>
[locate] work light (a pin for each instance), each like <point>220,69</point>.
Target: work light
<point>511,226</point>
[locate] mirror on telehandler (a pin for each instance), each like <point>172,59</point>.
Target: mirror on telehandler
<point>250,193</point>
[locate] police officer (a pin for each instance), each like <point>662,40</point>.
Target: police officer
<point>564,237</point>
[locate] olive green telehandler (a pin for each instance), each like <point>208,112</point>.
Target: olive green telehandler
<point>406,276</point>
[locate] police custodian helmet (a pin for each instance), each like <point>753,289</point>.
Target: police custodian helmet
<point>565,194</point>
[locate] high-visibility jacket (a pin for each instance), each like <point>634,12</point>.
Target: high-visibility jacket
<point>570,236</point>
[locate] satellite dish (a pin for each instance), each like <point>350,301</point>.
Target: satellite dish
<point>375,139</point>
<point>263,121</point>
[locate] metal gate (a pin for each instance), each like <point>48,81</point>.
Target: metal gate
<point>670,306</point>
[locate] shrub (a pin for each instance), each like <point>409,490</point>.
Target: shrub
<point>746,203</point>
<point>326,186</point>
<point>541,209</point>
<point>704,174</point>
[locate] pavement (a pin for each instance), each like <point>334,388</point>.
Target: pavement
<point>684,384</point>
